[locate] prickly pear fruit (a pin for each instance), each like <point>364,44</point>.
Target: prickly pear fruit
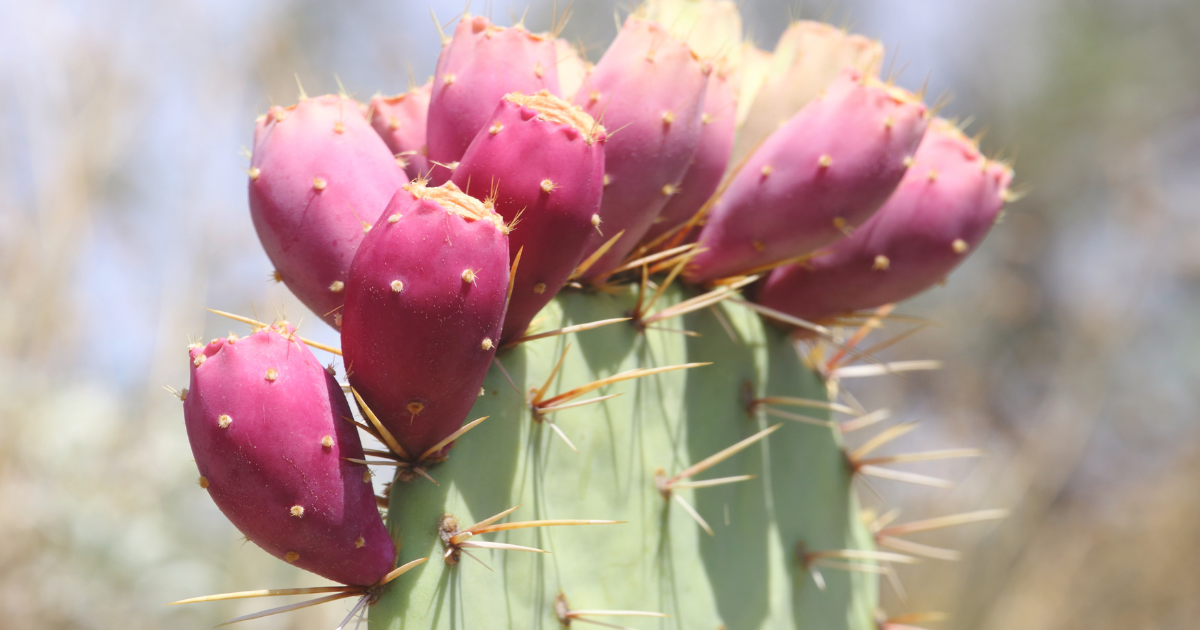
<point>703,177</point>
<point>807,58</point>
<point>424,305</point>
<point>543,162</point>
<point>942,209</point>
<point>318,176</point>
<point>651,87</point>
<point>823,173</point>
<point>754,64</point>
<point>266,426</point>
<point>481,64</point>
<point>713,28</point>
<point>572,68</point>
<point>400,121</point>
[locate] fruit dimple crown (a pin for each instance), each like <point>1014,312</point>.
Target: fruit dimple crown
<point>554,109</point>
<point>455,201</point>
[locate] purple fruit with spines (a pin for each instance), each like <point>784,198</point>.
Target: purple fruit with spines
<point>807,58</point>
<point>479,65</point>
<point>814,180</point>
<point>541,162</point>
<point>648,90</point>
<point>400,120</point>
<point>265,422</point>
<point>940,212</point>
<point>319,175</point>
<point>424,308</point>
<point>572,68</point>
<point>703,177</point>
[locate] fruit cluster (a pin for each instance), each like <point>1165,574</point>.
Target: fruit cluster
<point>432,228</point>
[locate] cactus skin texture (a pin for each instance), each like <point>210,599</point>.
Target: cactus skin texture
<point>319,174</point>
<point>823,173</point>
<point>545,160</point>
<point>400,121</point>
<point>651,87</point>
<point>424,306</point>
<point>807,58</point>
<point>480,64</point>
<point>264,419</point>
<point>941,211</point>
<point>746,576</point>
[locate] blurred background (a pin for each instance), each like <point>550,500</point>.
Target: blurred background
<point>1069,339</point>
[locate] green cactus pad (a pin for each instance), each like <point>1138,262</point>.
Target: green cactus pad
<point>747,575</point>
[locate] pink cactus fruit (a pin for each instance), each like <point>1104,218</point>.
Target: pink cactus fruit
<point>812,181</point>
<point>266,426</point>
<point>400,121</point>
<point>318,176</point>
<point>477,67</point>
<point>541,161</point>
<point>713,28</point>
<point>703,177</point>
<point>651,87</point>
<point>941,211</point>
<point>807,58</point>
<point>572,68</point>
<point>753,66</point>
<point>424,307</point>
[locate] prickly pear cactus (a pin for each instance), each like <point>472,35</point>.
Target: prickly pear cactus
<point>749,571</point>
<point>602,359</point>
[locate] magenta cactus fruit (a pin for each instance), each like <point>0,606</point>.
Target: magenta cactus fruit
<point>816,178</point>
<point>319,175</point>
<point>941,211</point>
<point>703,177</point>
<point>807,58</point>
<point>424,306</point>
<point>651,87</point>
<point>265,421</point>
<point>542,162</point>
<point>400,120</point>
<point>477,67</point>
<point>753,66</point>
